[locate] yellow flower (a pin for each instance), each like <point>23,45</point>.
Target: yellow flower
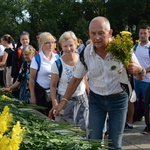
<point>137,41</point>
<point>17,136</point>
<point>31,51</point>
<point>4,142</point>
<point>14,142</point>
<point>4,97</point>
<point>6,119</point>
<point>126,33</point>
<point>120,47</point>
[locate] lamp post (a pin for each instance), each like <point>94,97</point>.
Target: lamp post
<point>131,29</point>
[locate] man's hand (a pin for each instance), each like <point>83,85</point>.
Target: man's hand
<point>134,68</point>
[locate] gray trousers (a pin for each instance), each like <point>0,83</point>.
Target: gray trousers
<point>76,111</point>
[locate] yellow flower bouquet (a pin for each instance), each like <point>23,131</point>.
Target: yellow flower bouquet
<point>121,47</point>
<point>7,141</point>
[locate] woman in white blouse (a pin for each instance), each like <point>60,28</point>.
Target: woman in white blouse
<point>76,110</point>
<point>40,78</point>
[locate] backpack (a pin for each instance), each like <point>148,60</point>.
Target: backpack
<point>19,52</point>
<point>17,61</point>
<point>81,57</point>
<point>125,79</point>
<point>57,61</point>
<point>59,66</point>
<point>135,46</point>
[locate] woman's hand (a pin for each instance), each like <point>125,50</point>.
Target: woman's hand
<point>52,111</point>
<point>32,100</point>
<point>6,89</point>
<point>59,108</point>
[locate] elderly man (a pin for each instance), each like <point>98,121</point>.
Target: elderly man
<point>106,94</point>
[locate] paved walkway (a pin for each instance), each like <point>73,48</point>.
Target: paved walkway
<point>134,140</point>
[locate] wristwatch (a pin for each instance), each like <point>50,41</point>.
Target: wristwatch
<point>141,72</point>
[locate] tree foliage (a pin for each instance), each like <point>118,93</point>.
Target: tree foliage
<point>57,16</point>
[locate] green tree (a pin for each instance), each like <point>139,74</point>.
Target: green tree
<point>57,16</point>
<point>12,17</point>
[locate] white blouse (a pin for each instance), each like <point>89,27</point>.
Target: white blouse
<point>66,76</point>
<point>44,73</point>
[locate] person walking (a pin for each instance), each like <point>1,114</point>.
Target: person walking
<point>22,81</point>
<point>40,72</point>
<point>7,41</point>
<point>76,111</point>
<point>106,94</point>
<point>18,59</point>
<point>142,52</point>
<point>147,111</point>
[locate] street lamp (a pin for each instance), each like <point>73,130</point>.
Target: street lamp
<point>133,29</point>
<point>126,27</point>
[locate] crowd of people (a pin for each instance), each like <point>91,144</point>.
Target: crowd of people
<point>85,93</point>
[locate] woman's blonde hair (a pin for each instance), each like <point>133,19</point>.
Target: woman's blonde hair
<point>46,37</point>
<point>66,36</point>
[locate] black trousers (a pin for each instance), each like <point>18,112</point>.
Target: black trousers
<point>2,84</point>
<point>41,99</point>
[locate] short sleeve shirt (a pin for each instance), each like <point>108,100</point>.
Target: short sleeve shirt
<point>143,56</point>
<point>44,73</point>
<point>104,74</point>
<point>66,76</point>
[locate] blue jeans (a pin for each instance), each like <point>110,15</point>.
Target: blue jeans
<point>141,88</point>
<point>116,106</point>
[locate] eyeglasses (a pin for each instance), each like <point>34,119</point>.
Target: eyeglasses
<point>49,43</point>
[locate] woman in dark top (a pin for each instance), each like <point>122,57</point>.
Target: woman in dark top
<point>18,58</point>
<point>7,41</point>
<point>23,77</point>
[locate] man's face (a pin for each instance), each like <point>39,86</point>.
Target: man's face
<point>144,35</point>
<point>37,37</point>
<point>99,34</point>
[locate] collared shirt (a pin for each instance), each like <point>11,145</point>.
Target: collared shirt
<point>44,73</point>
<point>143,56</point>
<point>104,74</point>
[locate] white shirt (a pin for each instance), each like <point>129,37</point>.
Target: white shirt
<point>66,76</point>
<point>2,48</point>
<point>143,56</point>
<point>44,73</point>
<point>104,74</point>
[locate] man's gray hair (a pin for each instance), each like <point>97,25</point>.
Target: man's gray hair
<point>106,21</point>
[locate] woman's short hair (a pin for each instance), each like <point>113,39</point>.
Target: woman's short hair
<point>46,37</point>
<point>66,36</point>
<point>28,48</point>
